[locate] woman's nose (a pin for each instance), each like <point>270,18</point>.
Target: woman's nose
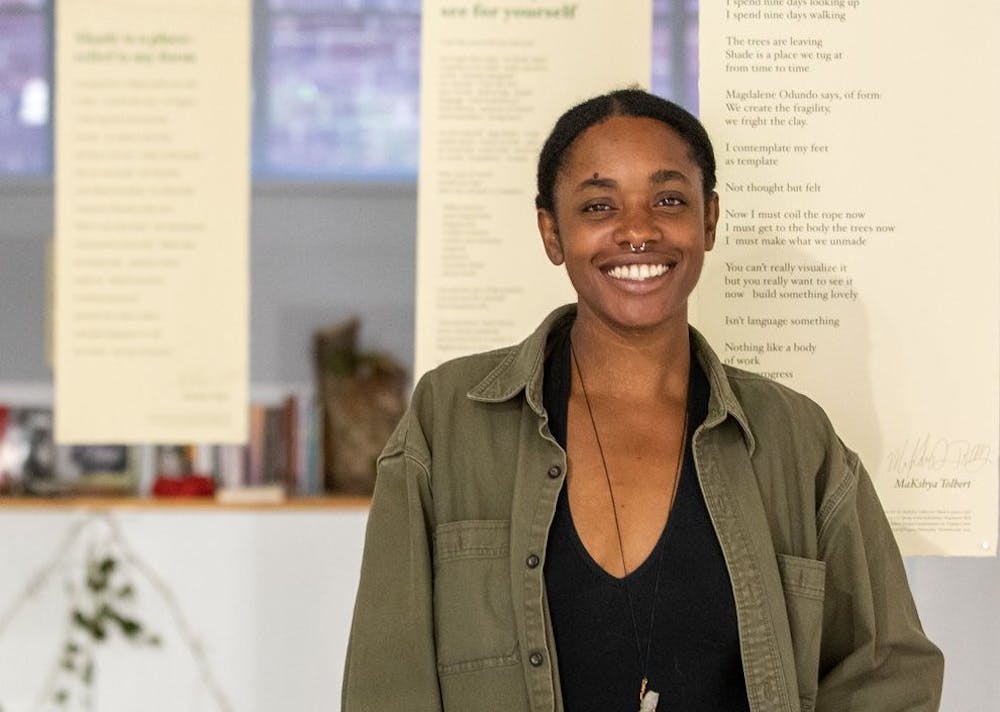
<point>637,226</point>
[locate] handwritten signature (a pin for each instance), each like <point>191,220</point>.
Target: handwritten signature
<point>934,453</point>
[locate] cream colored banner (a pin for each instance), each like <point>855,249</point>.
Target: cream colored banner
<point>152,189</point>
<point>858,259</point>
<point>495,78</point>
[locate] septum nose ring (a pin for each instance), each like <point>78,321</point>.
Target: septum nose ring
<point>639,248</point>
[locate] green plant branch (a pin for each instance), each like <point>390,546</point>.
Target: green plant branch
<point>97,608</point>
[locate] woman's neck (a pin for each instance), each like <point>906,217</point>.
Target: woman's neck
<point>638,364</point>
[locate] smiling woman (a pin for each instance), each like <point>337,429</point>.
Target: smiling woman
<point>606,517</point>
<point>630,181</point>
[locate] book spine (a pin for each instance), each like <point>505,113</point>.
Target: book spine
<point>313,456</point>
<point>291,444</point>
<point>255,454</point>
<point>231,470</point>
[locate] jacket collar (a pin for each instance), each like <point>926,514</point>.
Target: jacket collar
<point>722,401</point>
<point>522,367</point>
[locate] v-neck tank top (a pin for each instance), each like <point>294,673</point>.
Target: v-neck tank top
<point>693,646</point>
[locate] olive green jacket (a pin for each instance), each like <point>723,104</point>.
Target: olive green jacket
<point>451,611</point>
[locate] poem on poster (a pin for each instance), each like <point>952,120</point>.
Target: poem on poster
<point>829,271</point>
<point>135,231</point>
<point>152,206</point>
<point>792,238</point>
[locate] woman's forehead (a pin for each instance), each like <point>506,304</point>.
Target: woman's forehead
<point>623,145</point>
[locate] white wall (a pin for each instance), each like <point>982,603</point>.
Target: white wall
<point>959,604</point>
<point>268,594</point>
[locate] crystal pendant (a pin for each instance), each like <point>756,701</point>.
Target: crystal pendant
<point>648,701</point>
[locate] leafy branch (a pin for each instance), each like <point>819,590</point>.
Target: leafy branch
<point>102,609</point>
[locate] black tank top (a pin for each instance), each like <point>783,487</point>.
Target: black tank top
<point>694,659</point>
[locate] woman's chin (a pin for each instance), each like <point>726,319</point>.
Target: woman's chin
<point>638,315</point>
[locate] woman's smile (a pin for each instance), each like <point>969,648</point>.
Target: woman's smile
<point>638,268</point>
<point>638,273</point>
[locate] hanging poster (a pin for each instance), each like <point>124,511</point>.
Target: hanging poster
<point>495,76</point>
<point>152,211</point>
<point>859,245</point>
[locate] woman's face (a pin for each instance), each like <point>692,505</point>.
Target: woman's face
<point>623,182</point>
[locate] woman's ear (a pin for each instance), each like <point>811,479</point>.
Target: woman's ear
<point>549,231</point>
<point>711,220</point>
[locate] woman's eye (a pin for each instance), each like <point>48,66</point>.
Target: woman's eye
<point>670,201</point>
<point>596,207</point>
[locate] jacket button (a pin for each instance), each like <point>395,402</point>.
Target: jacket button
<point>555,471</point>
<point>532,561</point>
<point>536,659</point>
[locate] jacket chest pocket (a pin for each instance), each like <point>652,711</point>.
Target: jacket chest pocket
<point>473,614</point>
<point>803,582</point>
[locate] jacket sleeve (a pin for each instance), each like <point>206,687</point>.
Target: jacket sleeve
<point>391,660</point>
<point>874,655</point>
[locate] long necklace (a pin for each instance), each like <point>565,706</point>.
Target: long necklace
<point>648,699</point>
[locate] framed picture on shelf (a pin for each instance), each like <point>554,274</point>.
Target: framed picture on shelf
<point>173,460</point>
<point>97,469</point>
<point>31,463</point>
<point>27,451</point>
<point>186,459</point>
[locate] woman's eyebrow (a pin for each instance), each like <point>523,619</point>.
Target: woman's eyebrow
<point>665,175</point>
<point>597,182</point>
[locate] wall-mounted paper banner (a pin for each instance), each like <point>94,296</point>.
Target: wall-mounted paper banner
<point>495,78</point>
<point>859,248</point>
<point>152,211</point>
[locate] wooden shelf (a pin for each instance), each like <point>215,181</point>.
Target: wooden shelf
<point>326,502</point>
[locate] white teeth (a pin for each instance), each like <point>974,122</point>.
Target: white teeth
<point>638,273</point>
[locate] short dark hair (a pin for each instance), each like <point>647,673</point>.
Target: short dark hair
<point>623,102</point>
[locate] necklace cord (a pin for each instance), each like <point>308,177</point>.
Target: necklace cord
<point>643,660</point>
